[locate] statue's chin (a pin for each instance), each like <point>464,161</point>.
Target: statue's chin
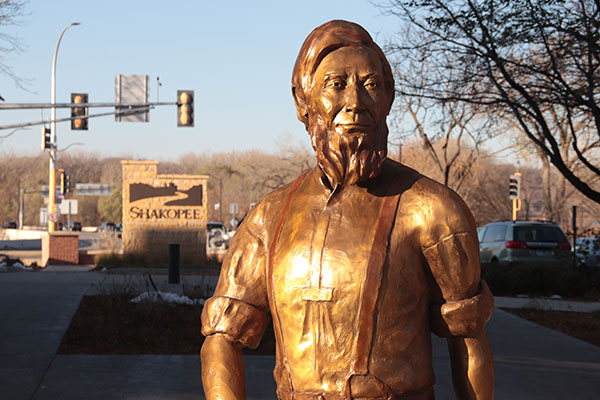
<point>346,159</point>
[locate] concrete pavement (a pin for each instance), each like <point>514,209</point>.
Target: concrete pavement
<point>35,310</point>
<point>531,362</point>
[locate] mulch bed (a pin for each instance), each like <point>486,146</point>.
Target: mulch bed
<point>111,324</point>
<point>584,326</point>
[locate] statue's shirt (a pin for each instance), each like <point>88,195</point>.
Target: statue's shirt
<point>313,285</point>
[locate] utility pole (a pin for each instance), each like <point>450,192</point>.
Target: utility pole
<point>574,226</point>
<point>221,199</point>
<point>21,206</point>
<point>52,164</point>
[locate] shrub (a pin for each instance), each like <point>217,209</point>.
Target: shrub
<point>126,260</point>
<point>516,279</point>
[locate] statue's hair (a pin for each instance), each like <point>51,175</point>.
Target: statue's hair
<point>323,40</point>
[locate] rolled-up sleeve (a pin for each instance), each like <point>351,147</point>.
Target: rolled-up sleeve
<point>462,302</point>
<point>239,306</point>
<point>240,321</point>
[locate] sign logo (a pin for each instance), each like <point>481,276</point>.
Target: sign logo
<point>191,197</point>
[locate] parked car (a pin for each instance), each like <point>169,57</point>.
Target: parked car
<point>217,236</point>
<point>526,242</point>
<point>74,226</point>
<point>107,227</point>
<point>587,251</point>
<point>9,225</point>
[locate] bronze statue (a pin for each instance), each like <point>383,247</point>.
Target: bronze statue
<point>357,261</point>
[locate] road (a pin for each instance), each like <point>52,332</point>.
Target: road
<point>30,250</point>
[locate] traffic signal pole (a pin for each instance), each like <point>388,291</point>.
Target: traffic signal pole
<point>52,163</point>
<point>516,206</point>
<point>133,108</point>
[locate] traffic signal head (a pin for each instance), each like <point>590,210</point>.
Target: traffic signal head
<point>67,183</point>
<point>185,108</point>
<point>62,182</point>
<point>514,189</point>
<point>46,139</point>
<point>79,124</point>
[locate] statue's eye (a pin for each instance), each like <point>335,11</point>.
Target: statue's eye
<point>371,84</point>
<point>335,84</point>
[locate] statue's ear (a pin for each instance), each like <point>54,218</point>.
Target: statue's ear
<point>301,107</point>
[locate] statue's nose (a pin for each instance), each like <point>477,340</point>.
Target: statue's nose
<point>354,99</point>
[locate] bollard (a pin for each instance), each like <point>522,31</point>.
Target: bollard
<point>173,262</point>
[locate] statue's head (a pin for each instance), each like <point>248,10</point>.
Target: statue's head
<point>343,88</point>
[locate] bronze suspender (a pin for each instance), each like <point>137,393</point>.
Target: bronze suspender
<point>275,315</point>
<point>366,312</point>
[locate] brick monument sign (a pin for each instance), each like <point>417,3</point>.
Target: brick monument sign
<point>163,209</point>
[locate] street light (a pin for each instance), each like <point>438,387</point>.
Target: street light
<point>52,165</point>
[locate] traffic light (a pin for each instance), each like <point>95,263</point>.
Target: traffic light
<point>46,139</point>
<point>79,124</point>
<point>514,191</point>
<point>67,183</point>
<point>62,182</point>
<point>185,108</point>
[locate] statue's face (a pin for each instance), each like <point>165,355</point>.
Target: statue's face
<point>348,94</point>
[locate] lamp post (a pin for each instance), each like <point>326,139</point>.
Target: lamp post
<point>52,165</point>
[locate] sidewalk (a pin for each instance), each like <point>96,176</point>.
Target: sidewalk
<point>531,362</point>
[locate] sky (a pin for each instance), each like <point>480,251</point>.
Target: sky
<point>237,56</point>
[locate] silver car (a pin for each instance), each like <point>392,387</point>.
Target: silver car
<point>588,252</point>
<point>524,242</point>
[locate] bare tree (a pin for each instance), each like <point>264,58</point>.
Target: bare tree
<point>534,62</point>
<point>451,132</point>
<point>11,14</point>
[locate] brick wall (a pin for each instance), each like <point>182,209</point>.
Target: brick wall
<point>60,248</point>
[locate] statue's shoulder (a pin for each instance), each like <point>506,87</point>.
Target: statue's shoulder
<point>406,178</point>
<point>419,194</point>
<point>267,210</point>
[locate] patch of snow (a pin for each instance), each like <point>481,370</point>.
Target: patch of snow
<point>21,266</point>
<point>4,267</point>
<point>165,297</point>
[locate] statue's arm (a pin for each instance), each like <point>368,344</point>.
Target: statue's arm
<point>463,302</point>
<point>237,314</point>
<point>468,305</point>
<point>472,367</point>
<point>229,325</point>
<point>222,369</point>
